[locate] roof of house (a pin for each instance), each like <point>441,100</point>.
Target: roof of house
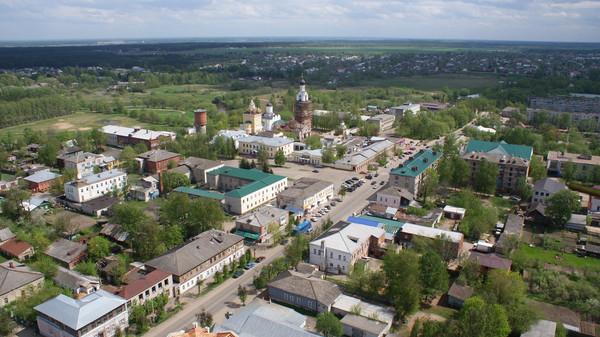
<point>306,286</point>
<point>115,232</point>
<point>418,164</point>
<point>136,132</point>
<point>16,277</point>
<point>65,250</point>
<point>452,209</point>
<point>257,179</point>
<point>267,141</point>
<point>263,216</point>
<point>193,253</point>
<point>396,192</point>
<point>347,237</point>
<point>556,313</point>
<point>372,326</point>
<point>347,303</point>
<point>198,192</point>
<point>513,224</point>
<point>142,283</point>
<point>261,319</point>
<point>158,155</point>
<point>305,188</point>
<point>15,247</point>
<point>574,157</point>
<point>201,163</point>
<point>97,177</point>
<point>492,261</point>
<point>72,279</point>
<point>579,219</point>
<point>77,313</point>
<point>541,328</point>
<point>42,176</point>
<point>201,332</point>
<point>462,292</point>
<point>6,234</point>
<point>431,232</point>
<point>390,226</point>
<point>550,185</point>
<point>500,148</point>
<point>99,203</point>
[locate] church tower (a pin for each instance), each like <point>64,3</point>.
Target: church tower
<point>253,119</point>
<point>302,107</point>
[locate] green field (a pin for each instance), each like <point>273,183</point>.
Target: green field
<point>557,258</point>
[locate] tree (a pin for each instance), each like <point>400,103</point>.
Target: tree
<point>478,319</point>
<point>87,268</point>
<point>127,159</point>
<point>434,278</point>
<point>328,156</point>
<point>382,159</point>
<point>402,277</point>
<point>98,138</point>
<point>205,318</point>
<point>262,157</point>
<point>313,142</point>
<point>12,207</point>
<point>523,189</point>
<point>561,205</point>
<point>194,216</point>
<point>242,294</point>
<point>98,247</point>
<point>47,153</point>
<point>568,170</point>
<point>296,250</point>
<point>430,182</point>
<point>279,158</point>
<point>460,173</point>
<point>340,150</point>
<point>329,325</point>
<point>8,325</point>
<point>485,177</point>
<point>537,169</point>
<point>172,180</point>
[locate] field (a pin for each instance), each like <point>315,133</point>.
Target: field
<point>553,257</point>
<point>441,81</point>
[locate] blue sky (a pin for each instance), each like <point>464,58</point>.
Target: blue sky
<point>539,20</point>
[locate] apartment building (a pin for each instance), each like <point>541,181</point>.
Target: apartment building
<point>402,110</point>
<point>578,106</point>
<point>305,194</point>
<point>360,160</point>
<point>156,161</point>
<point>96,185</point>
<point>584,164</point>
<point>84,163</point>
<point>251,145</point>
<point>261,224</point>
<point>383,122</point>
<point>410,175</point>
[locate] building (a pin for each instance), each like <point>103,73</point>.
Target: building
<point>583,164</point>
<point>200,167</point>
<point>455,239</point>
<point>490,261</point>
<point>120,136</point>
<point>383,122</point>
<point>67,253</point>
<point>346,305</point>
<point>146,189</point>
<point>252,119</point>
<point>483,129</point>
<point>303,111</point>
<point>199,259</point>
<point>235,135</point>
<point>6,234</point>
<point>97,314</point>
<point>410,175</point>
<point>245,189</point>
<point>76,282</point>
<point>359,161</point>
<point>142,285</point>
<point>261,224</point>
<point>458,294</point>
<point>541,328</point>
<point>269,118</point>
<point>200,120</point>
<point>6,185</point>
<point>594,204</point>
<point>337,250</point>
<point>303,291</point>
<point>434,106</point>
<point>84,163</point>
<point>251,145</point>
<point>311,157</point>
<point>394,197</point>
<point>545,188</point>
<point>306,193</point>
<point>17,249</point>
<point>260,318</point>
<point>513,227</point>
<point>577,223</point>
<point>402,110</point>
<point>200,193</point>
<point>357,325</point>
<point>96,185</point>
<point>578,106</point>
<point>41,181</point>
<point>509,111</point>
<point>512,160</point>
<point>16,281</point>
<point>156,161</point>
<point>197,331</point>
<point>455,213</point>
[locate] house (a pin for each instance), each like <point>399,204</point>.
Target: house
<point>337,250</point>
<point>410,175</point>
<point>197,331</point>
<point>382,122</point>
<point>306,193</point>
<point>245,189</point>
<point>251,145</point>
<point>458,294</point>
<point>391,227</point>
<point>146,189</point>
<point>402,110</point>
<point>98,206</point>
<point>345,305</point>
<point>359,161</point>
<point>455,239</point>
<point>76,282</point>
<point>36,202</point>
<point>200,258</point>
<point>582,163</point>
<point>142,285</point>
<point>541,328</point>
<point>17,280</point>
<point>65,152</point>
<point>200,167</point>
<point>6,234</point>
<point>545,188</point>
<point>356,325</point>
<point>490,261</point>
<point>115,232</point>
<point>41,181</point>
<point>260,318</point>
<point>394,197</point>
<point>577,223</point>
<point>305,156</point>
<point>120,136</point>
<point>84,163</point>
<point>262,224</point>
<point>455,213</point>
<point>67,253</point>
<point>96,185</point>
<point>304,291</point>
<point>513,227</point>
<point>594,204</point>
<point>97,314</point>
<point>512,160</point>
<point>17,249</point>
<point>156,161</point>
<point>9,183</point>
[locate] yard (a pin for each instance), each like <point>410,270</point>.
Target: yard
<point>555,257</point>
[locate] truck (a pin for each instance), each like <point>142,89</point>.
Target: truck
<point>483,246</point>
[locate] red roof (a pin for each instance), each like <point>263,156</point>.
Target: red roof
<point>492,261</point>
<point>15,247</point>
<point>142,283</point>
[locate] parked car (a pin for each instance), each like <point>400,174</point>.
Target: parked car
<point>260,259</point>
<point>250,265</point>
<point>382,182</point>
<point>355,178</point>
<point>238,272</point>
<point>373,182</point>
<point>333,203</point>
<point>369,176</point>
<point>376,175</point>
<point>315,171</point>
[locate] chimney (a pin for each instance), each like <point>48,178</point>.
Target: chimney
<point>200,120</point>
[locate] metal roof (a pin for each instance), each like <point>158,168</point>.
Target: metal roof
<point>198,192</point>
<point>521,151</point>
<point>418,164</point>
<point>41,176</point>
<point>258,179</point>
<point>431,232</point>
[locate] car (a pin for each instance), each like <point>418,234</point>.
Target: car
<point>313,219</point>
<point>382,182</point>
<point>373,182</point>
<point>315,171</point>
<point>327,207</point>
<point>250,265</point>
<point>355,178</point>
<point>260,259</point>
<point>369,176</point>
<point>351,189</point>
<point>333,204</point>
<point>238,272</point>
<point>376,175</point>
<point>338,199</point>
<point>285,241</point>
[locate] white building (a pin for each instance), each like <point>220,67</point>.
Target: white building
<point>312,157</point>
<point>121,136</point>
<point>338,249</point>
<point>400,111</point>
<point>545,188</point>
<point>383,122</point>
<point>269,118</point>
<point>97,314</point>
<point>306,194</point>
<point>236,135</point>
<point>251,145</point>
<point>95,185</point>
<point>84,163</point>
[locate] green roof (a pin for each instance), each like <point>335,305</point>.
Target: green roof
<point>521,151</point>
<point>259,179</point>
<point>420,162</point>
<point>247,235</point>
<point>197,192</point>
<point>390,226</point>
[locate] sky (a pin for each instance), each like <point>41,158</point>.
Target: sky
<point>522,20</point>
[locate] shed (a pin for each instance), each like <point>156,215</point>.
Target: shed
<point>456,213</point>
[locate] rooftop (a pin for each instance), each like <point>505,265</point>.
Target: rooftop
<point>76,314</point>
<point>201,163</point>
<point>15,247</point>
<point>550,185</point>
<point>17,276</point>
<point>347,237</point>
<point>492,261</point>
<point>198,192</point>
<point>459,291</point>
<point>262,216</point>
<point>136,132</point>
<point>257,179</point>
<point>267,141</point>
<point>306,286</point>
<point>65,250</point>
<point>41,176</point>
<point>72,279</point>
<point>98,177</point>
<point>6,234</point>
<point>371,326</point>
<point>390,226</point>
<point>574,157</point>
<point>141,283</point>
<point>500,148</point>
<point>418,164</point>
<point>305,188</point>
<point>431,232</point>
<point>346,303</point>
<point>158,155</point>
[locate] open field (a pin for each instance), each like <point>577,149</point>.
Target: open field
<point>557,258</point>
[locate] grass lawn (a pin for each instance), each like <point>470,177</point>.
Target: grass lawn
<point>2,259</point>
<point>550,256</point>
<point>441,311</point>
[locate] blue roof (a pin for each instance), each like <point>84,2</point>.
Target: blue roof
<point>198,192</point>
<point>389,225</point>
<point>362,221</point>
<point>418,164</point>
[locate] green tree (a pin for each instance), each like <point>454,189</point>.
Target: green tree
<point>48,152</point>
<point>194,216</point>
<point>297,250</point>
<point>12,207</point>
<point>328,156</point>
<point>98,139</point>
<point>279,158</point>
<point>262,157</point>
<point>172,180</point>
<point>434,278</point>
<point>128,161</point>
<point>460,173</point>
<point>98,247</point>
<point>561,205</point>
<point>340,150</point>
<point>485,177</point>
<point>8,325</point>
<point>523,189</point>
<point>537,169</point>
<point>382,159</point>
<point>403,281</point>
<point>568,171</point>
<point>242,294</point>
<point>204,318</point>
<point>430,182</point>
<point>313,142</point>
<point>478,319</point>
<point>87,268</point>
<point>329,325</point>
